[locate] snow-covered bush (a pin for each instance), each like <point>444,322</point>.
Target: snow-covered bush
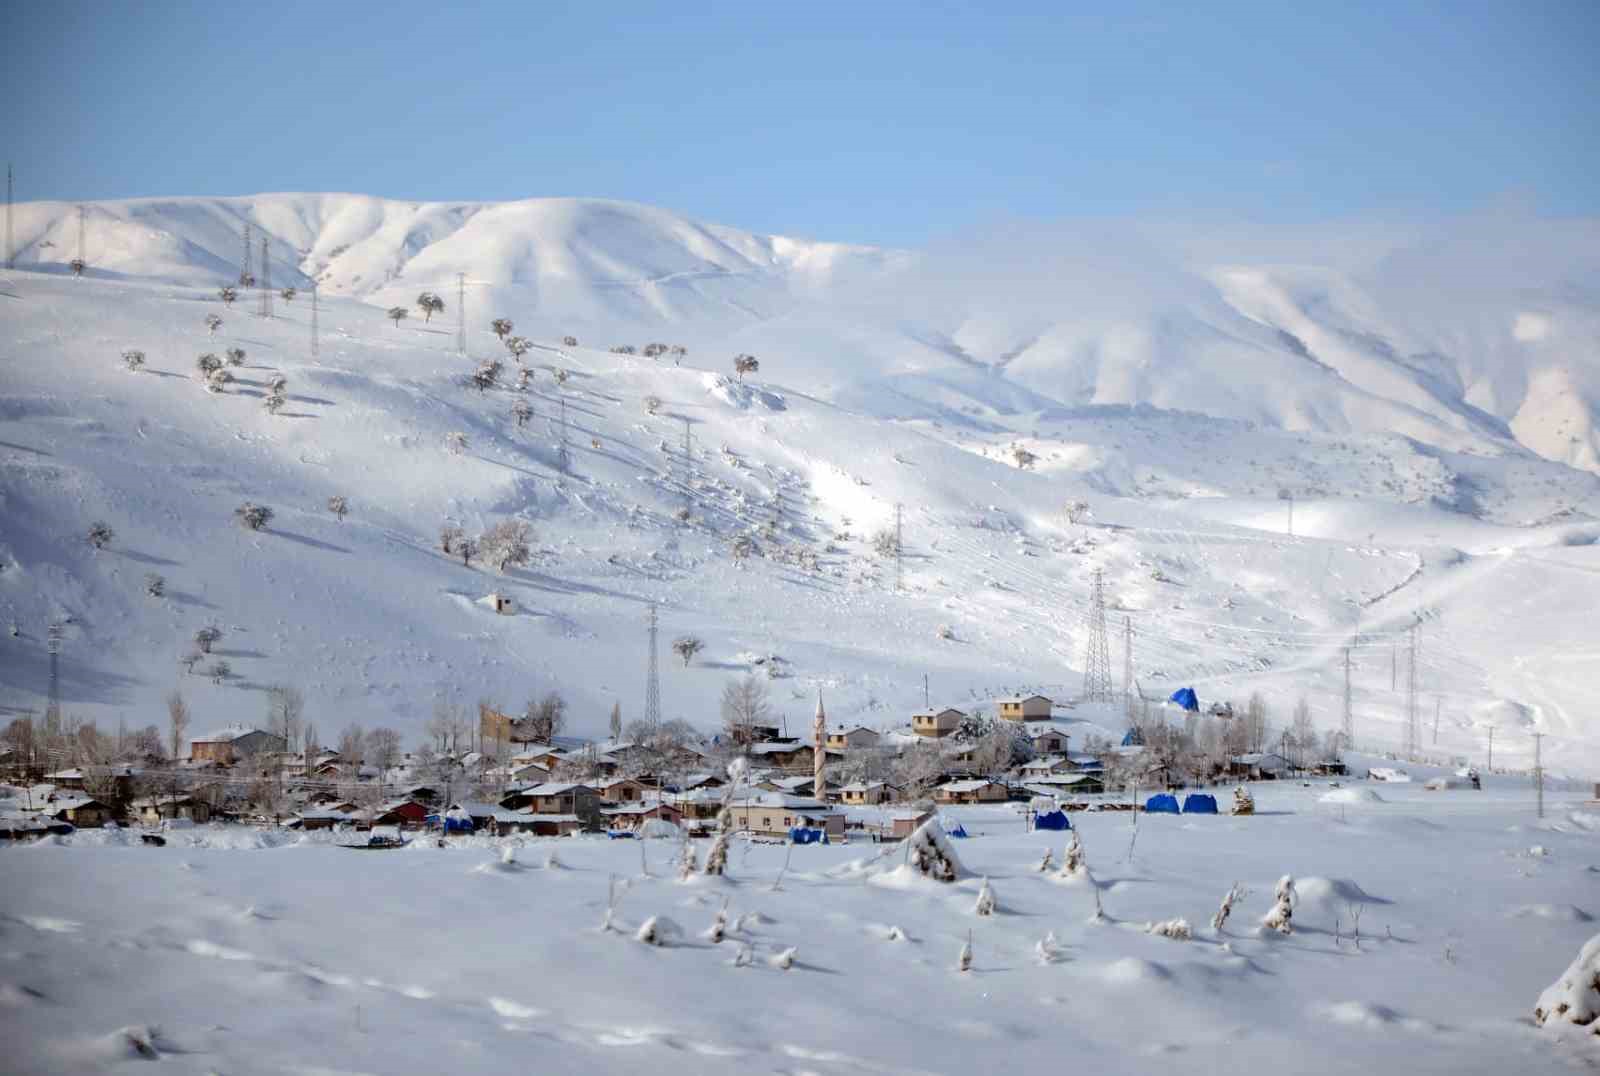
<point>278,383</point>
<point>339,506</point>
<point>155,585</point>
<point>208,364</point>
<point>274,401</point>
<point>896,934</point>
<point>658,930</point>
<point>218,380</point>
<point>569,341</point>
<point>1046,863</point>
<point>501,327</point>
<point>561,376</point>
<point>1176,929</point>
<point>100,534</point>
<point>521,411</point>
<point>652,404</point>
<point>1047,948</point>
<point>1243,802</point>
<point>455,442</point>
<point>227,295</point>
<point>213,323</point>
<point>207,637</point>
<point>487,374</point>
<point>964,958</point>
<point>1225,909</point>
<point>133,359</point>
<point>253,516</point>
<point>783,960</point>
<point>1283,896</point>
<point>717,858</point>
<point>688,862</point>
<point>929,850</point>
<point>1073,865</point>
<point>235,356</point>
<point>1575,997</point>
<point>984,905</point>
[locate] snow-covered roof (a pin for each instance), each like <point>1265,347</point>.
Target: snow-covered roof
<point>552,788</point>
<point>778,748</point>
<point>227,734</point>
<point>65,775</point>
<point>1018,700</point>
<point>784,800</point>
<point>1062,779</point>
<point>863,786</point>
<point>971,785</point>
<point>632,808</point>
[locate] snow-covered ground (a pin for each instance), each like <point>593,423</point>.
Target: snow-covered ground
<point>1419,493</point>
<point>234,951</point>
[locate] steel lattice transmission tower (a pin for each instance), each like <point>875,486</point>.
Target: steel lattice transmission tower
<point>265,309</point>
<point>246,277</point>
<point>688,469</point>
<point>52,711</point>
<point>315,351</point>
<point>652,683</point>
<point>1097,656</point>
<point>461,314</point>
<point>1127,665</point>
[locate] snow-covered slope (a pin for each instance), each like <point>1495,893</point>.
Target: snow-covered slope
<point>1415,496</point>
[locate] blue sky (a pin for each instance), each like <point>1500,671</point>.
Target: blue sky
<point>877,122</point>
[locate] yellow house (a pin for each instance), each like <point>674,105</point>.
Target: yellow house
<point>1024,708</point>
<point>937,724</point>
<point>847,739</point>
<point>866,793</point>
<point>973,791</point>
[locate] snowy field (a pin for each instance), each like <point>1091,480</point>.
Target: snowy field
<point>229,952</point>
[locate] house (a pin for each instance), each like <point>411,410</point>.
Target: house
<point>977,790</point>
<point>151,810</point>
<point>1041,767</point>
<point>633,815</point>
<point>774,814</point>
<point>790,756</point>
<point>842,739</point>
<point>1047,739</point>
<point>937,724</point>
<point>793,786</point>
<point>620,790</point>
<point>700,780</point>
<point>1024,708</point>
<point>84,812</point>
<point>698,808</point>
<point>500,603</point>
<point>903,824</point>
<point>403,813</point>
<point>71,780</point>
<point>1061,784</point>
<point>1258,766</point>
<point>568,807</point>
<point>229,745</point>
<point>317,818</point>
<point>866,793</point>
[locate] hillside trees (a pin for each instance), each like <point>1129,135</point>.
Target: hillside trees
<point>133,359</point>
<point>207,364</point>
<point>501,327</point>
<point>227,295</point>
<point>339,506</point>
<point>686,647</point>
<point>518,346</point>
<point>487,374</point>
<point>745,364</point>
<point>397,314</point>
<point>506,543</point>
<point>430,304</point>
<point>569,341</point>
<point>253,516</point>
<point>213,323</point>
<point>100,534</point>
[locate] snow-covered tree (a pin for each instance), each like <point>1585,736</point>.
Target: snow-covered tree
<point>929,850</point>
<point>501,327</point>
<point>506,543</point>
<point>744,547</point>
<point>686,647</point>
<point>678,352</point>
<point>487,373</point>
<point>339,506</point>
<point>155,585</point>
<point>1077,512</point>
<point>717,858</point>
<point>521,411</point>
<point>1176,929</point>
<point>745,705</point>
<point>885,543</point>
<point>624,349</point>
<point>274,401</point>
<point>1024,459</point>
<point>1243,802</point>
<point>213,323</point>
<point>466,549</point>
<point>783,960</point>
<point>745,364</point>
<point>227,295</point>
<point>615,725</point>
<point>455,442</point>
<point>277,383</point>
<point>288,294</point>
<point>430,304</point>
<point>218,380</point>
<point>77,265</point>
<point>524,378</point>
<point>1047,863</point>
<point>449,536</point>
<point>964,958</point>
<point>985,901</point>
<point>396,314</point>
<point>219,671</point>
<point>235,356</point>
<point>518,346</point>
<point>208,364</point>
<point>652,404</point>
<point>253,516</point>
<point>1284,897</point>
<point>207,637</point>
<point>561,374</point>
<point>100,534</point>
<point>133,359</point>
<point>569,341</point>
<point>1073,863</point>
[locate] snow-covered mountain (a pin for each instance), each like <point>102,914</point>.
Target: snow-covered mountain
<point>1440,444</point>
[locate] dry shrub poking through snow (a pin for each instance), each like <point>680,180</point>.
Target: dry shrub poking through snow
<point>783,960</point>
<point>930,851</point>
<point>1073,865</point>
<point>1283,908</point>
<point>964,958</point>
<point>1575,997</point>
<point>896,934</point>
<point>1243,802</point>
<point>1048,949</point>
<point>658,930</point>
<point>717,858</point>
<point>1046,863</point>
<point>1225,909</point>
<point>1176,929</point>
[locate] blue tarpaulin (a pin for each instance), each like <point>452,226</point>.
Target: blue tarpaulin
<point>1199,803</point>
<point>806,835</point>
<point>1133,738</point>
<point>454,822</point>
<point>1161,803</point>
<point>955,830</point>
<point>1051,820</point>
<point>621,834</point>
<point>1185,697</point>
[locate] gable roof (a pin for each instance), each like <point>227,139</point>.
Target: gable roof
<point>971,785</point>
<point>227,734</point>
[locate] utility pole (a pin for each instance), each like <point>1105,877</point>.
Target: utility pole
<point>1538,770</point>
<point>1348,728</point>
<point>11,246</point>
<point>52,710</point>
<point>1437,702</point>
<point>1288,495</point>
<point>1127,666</point>
<point>926,704</point>
<point>1413,727</point>
<point>897,536</point>
<point>688,468</point>
<point>1491,748</point>
<point>1097,654</point>
<point>1394,661</point>
<point>265,309</point>
<point>461,313</point>
<point>314,346</point>
<point>652,684</point>
<point>563,457</point>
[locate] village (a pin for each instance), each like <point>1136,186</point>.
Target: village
<point>844,781</point>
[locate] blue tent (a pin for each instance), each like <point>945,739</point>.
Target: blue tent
<point>1199,803</point>
<point>1056,819</point>
<point>1161,803</point>
<point>1185,697</point>
<point>454,821</point>
<point>806,835</point>
<point>955,829</point>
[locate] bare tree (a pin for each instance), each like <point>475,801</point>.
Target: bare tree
<point>569,341</point>
<point>353,744</point>
<point>545,718</point>
<point>288,294</point>
<point>616,721</point>
<point>397,314</point>
<point>133,359</point>
<point>744,547</point>
<point>745,364</point>
<point>177,723</point>
<point>253,516</point>
<point>487,374</point>
<point>285,709</point>
<point>468,549</point>
<point>207,364</point>
<point>207,637</point>
<point>744,706</point>
<point>339,506</point>
<point>100,534</point>
<point>1078,512</point>
<point>449,535</point>
<point>521,411</point>
<point>686,647</point>
<point>383,748</point>
<point>235,356</point>
<point>501,327</point>
<point>227,295</point>
<point>506,543</point>
<point>213,323</point>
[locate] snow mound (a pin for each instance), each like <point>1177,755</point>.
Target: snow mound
<point>1575,997</point>
<point>1555,913</point>
<point>1359,1014</point>
<point>1351,795</point>
<point>1332,893</point>
<point>1390,775</point>
<point>1133,970</point>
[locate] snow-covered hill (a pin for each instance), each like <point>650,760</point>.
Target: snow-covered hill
<point>1429,458</point>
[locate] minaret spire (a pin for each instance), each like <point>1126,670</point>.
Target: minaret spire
<point>819,752</point>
